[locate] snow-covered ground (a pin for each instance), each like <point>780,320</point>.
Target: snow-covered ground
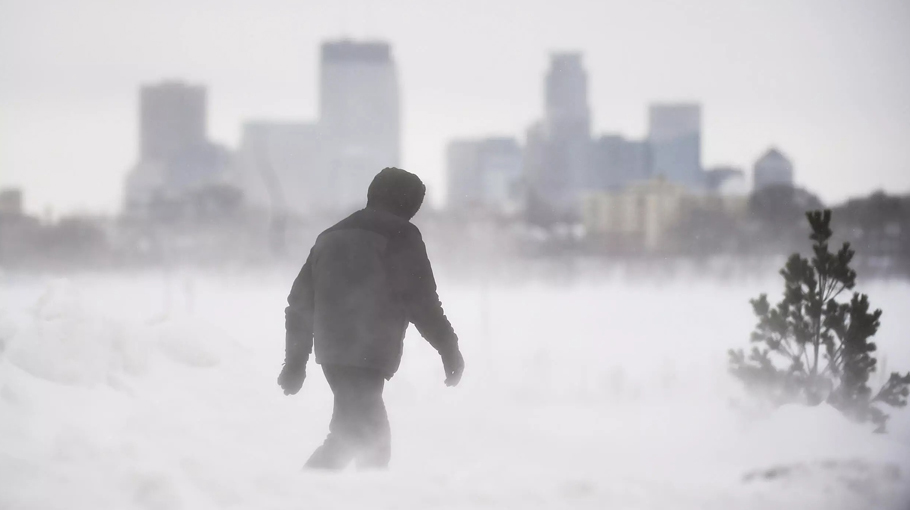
<point>158,392</point>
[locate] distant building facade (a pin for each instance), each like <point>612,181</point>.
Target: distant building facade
<point>485,175</point>
<point>559,147</point>
<point>726,180</point>
<point>617,162</point>
<point>281,168</point>
<point>175,158</point>
<point>172,119</point>
<point>772,169</point>
<point>643,215</point>
<point>674,136</point>
<point>359,117</point>
<point>11,202</point>
<point>637,217</point>
<point>566,110</point>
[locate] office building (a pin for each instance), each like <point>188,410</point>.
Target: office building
<point>484,175</point>
<point>176,159</point>
<point>617,162</point>
<point>172,119</point>
<point>566,98</point>
<point>637,217</point>
<point>359,117</point>
<point>674,136</point>
<point>11,202</point>
<point>558,148</point>
<point>280,167</point>
<point>772,169</point>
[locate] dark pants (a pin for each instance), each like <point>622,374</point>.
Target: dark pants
<point>360,427</point>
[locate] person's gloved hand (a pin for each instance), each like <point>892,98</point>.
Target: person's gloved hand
<point>292,377</point>
<point>453,364</point>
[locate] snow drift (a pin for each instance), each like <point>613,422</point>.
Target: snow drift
<point>159,393</point>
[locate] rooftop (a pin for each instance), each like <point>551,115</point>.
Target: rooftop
<point>347,50</point>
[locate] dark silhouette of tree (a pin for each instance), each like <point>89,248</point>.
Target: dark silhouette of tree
<point>782,205</point>
<point>878,225</point>
<point>778,211</point>
<point>813,348</point>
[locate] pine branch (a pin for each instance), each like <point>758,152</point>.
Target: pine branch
<point>782,344</point>
<point>806,356</point>
<point>895,391</point>
<point>838,293</point>
<point>785,349</point>
<point>834,358</point>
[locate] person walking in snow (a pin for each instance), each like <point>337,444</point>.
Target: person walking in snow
<point>365,279</point>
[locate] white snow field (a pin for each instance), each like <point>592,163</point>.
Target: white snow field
<point>158,392</point>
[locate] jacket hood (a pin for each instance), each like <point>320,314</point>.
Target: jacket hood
<point>396,191</point>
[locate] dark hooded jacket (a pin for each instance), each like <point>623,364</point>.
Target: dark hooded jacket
<point>365,279</point>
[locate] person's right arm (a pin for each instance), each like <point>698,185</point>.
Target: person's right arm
<point>298,322</point>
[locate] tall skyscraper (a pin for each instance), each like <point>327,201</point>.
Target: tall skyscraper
<point>172,119</point>
<point>359,116</point>
<point>772,169</point>
<point>175,155</point>
<point>280,167</point>
<point>674,134</point>
<point>566,102</point>
<point>559,148</point>
<point>617,162</point>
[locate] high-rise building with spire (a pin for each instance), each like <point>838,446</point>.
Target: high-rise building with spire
<point>566,98</point>
<point>558,148</point>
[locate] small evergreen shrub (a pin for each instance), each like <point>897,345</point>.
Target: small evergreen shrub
<point>812,348</point>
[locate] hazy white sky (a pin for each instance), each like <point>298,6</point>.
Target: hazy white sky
<point>827,81</point>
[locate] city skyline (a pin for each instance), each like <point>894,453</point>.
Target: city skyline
<point>832,101</point>
<point>295,168</point>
